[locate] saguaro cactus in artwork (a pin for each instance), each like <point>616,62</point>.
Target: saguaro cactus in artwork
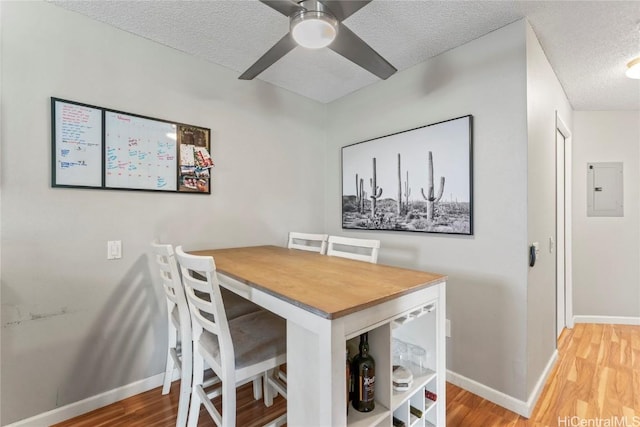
<point>407,193</point>
<point>360,194</point>
<point>376,191</point>
<point>399,187</point>
<point>431,198</point>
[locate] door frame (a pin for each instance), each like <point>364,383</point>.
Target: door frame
<point>567,319</point>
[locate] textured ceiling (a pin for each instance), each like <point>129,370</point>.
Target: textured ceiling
<point>587,43</point>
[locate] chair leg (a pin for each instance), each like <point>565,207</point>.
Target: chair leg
<point>198,377</point>
<point>168,371</point>
<point>185,384</point>
<point>273,386</point>
<point>168,374</point>
<point>257,388</point>
<point>228,403</point>
<point>269,392</point>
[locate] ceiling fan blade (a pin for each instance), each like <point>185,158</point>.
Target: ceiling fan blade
<point>356,50</point>
<point>280,49</point>
<point>285,7</point>
<point>342,9</point>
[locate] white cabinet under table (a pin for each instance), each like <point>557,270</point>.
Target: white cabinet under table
<point>327,300</point>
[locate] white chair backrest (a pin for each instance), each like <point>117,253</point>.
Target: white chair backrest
<point>200,281</point>
<point>308,242</point>
<point>358,249</point>
<point>171,283</point>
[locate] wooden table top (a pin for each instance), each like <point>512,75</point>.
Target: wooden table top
<point>328,286</point>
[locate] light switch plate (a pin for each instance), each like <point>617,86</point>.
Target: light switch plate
<point>114,249</point>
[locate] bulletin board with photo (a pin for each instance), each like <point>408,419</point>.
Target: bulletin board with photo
<point>194,158</point>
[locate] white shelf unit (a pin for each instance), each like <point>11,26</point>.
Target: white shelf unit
<point>421,326</point>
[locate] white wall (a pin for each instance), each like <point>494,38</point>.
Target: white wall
<point>75,324</point>
<point>606,250</point>
<point>486,289</point>
<point>545,96</point>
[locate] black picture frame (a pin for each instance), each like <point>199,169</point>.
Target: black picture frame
<point>100,148</point>
<point>418,180</point>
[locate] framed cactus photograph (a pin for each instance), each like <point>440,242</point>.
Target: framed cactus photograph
<point>418,180</point>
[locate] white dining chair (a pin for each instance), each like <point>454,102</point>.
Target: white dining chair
<point>179,329</point>
<point>235,349</point>
<point>358,249</point>
<point>308,242</point>
<point>179,345</point>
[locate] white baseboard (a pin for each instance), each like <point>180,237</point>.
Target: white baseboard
<point>89,404</point>
<point>518,406</point>
<point>542,380</point>
<point>609,320</point>
<point>499,398</point>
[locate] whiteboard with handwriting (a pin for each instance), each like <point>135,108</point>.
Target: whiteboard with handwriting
<point>95,147</point>
<point>140,153</point>
<point>78,152</point>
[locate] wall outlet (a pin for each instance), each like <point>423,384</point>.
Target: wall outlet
<point>114,249</point>
<point>448,328</point>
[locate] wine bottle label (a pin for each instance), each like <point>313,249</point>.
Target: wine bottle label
<point>367,387</point>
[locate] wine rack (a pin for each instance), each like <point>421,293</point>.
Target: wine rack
<point>421,326</point>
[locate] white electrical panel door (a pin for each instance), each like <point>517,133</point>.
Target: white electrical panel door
<point>604,189</point>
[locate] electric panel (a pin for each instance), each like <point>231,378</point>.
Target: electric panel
<point>604,189</point>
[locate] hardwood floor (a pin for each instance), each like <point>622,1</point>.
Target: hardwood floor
<point>595,383</point>
<point>153,409</point>
<point>596,380</point>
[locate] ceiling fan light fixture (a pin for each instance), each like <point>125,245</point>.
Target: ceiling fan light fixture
<point>314,29</point>
<point>633,68</point>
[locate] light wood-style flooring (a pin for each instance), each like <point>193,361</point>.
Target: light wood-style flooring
<point>596,379</point>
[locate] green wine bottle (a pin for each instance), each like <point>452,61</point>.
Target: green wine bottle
<point>398,422</point>
<point>415,411</point>
<point>364,372</point>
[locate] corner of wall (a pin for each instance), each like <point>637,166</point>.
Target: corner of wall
<point>544,99</point>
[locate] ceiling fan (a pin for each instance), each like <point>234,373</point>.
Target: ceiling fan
<point>316,24</point>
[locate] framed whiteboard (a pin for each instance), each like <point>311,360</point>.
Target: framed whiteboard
<point>94,147</point>
<point>77,135</point>
<point>140,153</point>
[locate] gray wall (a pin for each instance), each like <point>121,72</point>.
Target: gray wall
<point>545,96</point>
<point>486,289</point>
<point>73,323</point>
<point>606,272</point>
